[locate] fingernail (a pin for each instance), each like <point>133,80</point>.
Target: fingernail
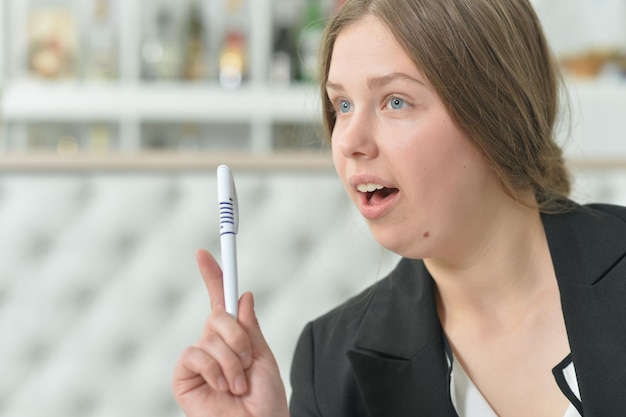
<point>222,385</point>
<point>246,359</point>
<point>240,385</point>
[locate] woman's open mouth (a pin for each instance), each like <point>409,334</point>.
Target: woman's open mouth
<point>376,194</point>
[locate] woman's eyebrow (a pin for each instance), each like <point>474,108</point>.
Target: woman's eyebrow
<point>378,82</point>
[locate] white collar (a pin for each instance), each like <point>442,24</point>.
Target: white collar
<point>469,401</point>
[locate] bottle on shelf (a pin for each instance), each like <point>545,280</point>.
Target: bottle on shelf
<point>102,49</point>
<point>284,58</point>
<point>100,138</point>
<point>67,145</point>
<point>52,42</point>
<point>233,59</point>
<point>195,61</point>
<point>63,139</point>
<point>309,38</point>
<point>233,51</point>
<point>160,52</point>
<point>159,136</point>
<point>282,65</point>
<point>234,7</point>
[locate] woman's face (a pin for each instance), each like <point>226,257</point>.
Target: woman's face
<point>414,175</point>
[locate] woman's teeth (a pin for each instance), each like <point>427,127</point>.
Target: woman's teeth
<point>369,187</point>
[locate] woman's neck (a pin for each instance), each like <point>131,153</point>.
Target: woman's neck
<point>500,274</point>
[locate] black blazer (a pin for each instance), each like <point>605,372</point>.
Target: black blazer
<point>381,354</point>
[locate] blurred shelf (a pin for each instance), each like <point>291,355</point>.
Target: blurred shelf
<point>597,120</point>
<point>597,164</point>
<point>166,161</point>
<point>173,102</point>
<point>611,89</point>
<point>137,114</point>
<point>146,97</point>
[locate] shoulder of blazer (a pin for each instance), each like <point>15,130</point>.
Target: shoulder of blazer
<point>615,210</point>
<point>384,347</point>
<point>373,319</point>
<point>588,249</point>
<point>586,241</point>
<point>380,349</point>
<point>321,374</point>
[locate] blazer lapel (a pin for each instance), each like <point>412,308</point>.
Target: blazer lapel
<point>588,249</point>
<point>398,358</point>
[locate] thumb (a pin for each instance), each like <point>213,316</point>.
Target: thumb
<point>249,321</point>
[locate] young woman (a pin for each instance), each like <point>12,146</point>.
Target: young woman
<point>509,300</point>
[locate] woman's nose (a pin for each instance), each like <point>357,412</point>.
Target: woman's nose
<point>357,139</point>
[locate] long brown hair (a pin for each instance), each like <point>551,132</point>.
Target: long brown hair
<point>491,65</point>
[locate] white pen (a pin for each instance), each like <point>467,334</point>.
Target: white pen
<point>229,224</point>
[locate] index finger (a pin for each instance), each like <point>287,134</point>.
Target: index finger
<point>212,276</point>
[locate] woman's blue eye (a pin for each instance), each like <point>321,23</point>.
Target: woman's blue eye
<point>344,106</point>
<point>396,103</point>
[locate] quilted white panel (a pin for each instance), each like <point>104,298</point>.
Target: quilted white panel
<point>99,291</point>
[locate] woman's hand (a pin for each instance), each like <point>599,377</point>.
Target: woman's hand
<point>231,370</point>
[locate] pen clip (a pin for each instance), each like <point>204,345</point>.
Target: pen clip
<point>227,198</point>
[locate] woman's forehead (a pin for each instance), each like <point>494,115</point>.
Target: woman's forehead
<point>368,46</point>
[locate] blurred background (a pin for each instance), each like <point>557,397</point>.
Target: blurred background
<point>113,117</point>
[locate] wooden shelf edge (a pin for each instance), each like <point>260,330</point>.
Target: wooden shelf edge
<point>602,164</point>
<point>171,161</point>
<point>164,161</point>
